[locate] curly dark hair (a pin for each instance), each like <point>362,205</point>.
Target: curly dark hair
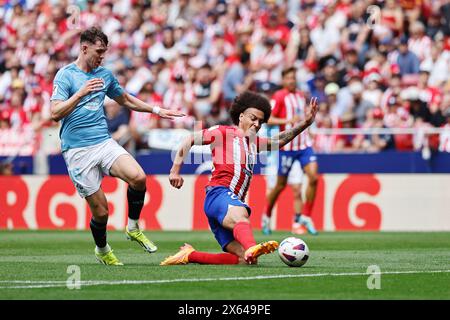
<point>93,34</point>
<point>249,99</point>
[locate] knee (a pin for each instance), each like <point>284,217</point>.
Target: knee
<point>235,217</point>
<point>313,180</point>
<point>102,218</point>
<point>297,193</point>
<point>138,182</point>
<point>100,212</point>
<point>239,219</point>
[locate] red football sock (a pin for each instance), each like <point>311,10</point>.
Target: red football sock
<point>242,232</point>
<point>266,211</point>
<point>213,258</point>
<point>307,208</point>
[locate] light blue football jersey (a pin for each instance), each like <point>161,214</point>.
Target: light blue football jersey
<point>86,124</point>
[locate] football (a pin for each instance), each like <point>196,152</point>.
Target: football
<point>293,251</point>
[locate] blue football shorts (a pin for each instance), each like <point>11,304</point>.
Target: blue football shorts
<point>286,159</point>
<point>217,202</point>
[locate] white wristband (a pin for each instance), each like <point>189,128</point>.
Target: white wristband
<point>156,110</point>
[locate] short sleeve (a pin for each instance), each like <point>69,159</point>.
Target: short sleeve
<point>210,135</point>
<point>114,89</point>
<point>61,86</point>
<point>277,105</point>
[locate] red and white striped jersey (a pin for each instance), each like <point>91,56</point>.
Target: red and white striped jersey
<point>420,47</point>
<point>233,156</point>
<point>286,105</point>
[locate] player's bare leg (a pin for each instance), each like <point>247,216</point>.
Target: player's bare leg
<point>311,170</point>
<point>99,208</point>
<point>297,228</point>
<point>272,197</point>
<point>126,168</point>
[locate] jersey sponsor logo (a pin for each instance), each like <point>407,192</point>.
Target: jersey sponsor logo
<point>93,105</point>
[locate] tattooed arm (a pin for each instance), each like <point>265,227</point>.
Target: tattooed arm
<point>286,136</point>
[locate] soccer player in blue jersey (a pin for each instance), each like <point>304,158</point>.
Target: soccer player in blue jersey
<point>79,91</point>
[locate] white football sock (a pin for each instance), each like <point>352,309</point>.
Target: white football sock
<point>133,224</point>
<point>105,249</point>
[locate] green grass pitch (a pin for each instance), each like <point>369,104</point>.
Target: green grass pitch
<point>34,265</point>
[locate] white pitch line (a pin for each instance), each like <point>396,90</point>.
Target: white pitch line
<point>60,283</point>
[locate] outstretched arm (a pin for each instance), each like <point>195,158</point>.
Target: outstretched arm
<point>174,177</point>
<point>136,104</point>
<point>286,136</point>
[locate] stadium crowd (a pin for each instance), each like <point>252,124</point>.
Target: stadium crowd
<point>372,64</point>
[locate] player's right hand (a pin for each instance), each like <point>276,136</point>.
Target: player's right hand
<point>311,111</point>
<point>176,180</point>
<point>90,86</point>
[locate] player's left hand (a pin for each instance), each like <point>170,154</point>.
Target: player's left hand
<point>169,114</point>
<point>311,111</point>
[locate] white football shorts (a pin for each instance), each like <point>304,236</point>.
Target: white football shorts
<point>88,165</point>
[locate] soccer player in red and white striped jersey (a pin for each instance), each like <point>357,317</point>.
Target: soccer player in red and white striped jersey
<point>289,107</point>
<point>234,150</point>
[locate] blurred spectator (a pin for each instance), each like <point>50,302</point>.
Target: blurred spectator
<point>166,48</point>
<point>361,105</point>
<point>325,143</point>
<point>325,37</point>
<point>317,88</point>
<point>392,17</point>
<point>180,97</point>
<point>338,100</point>
<point>301,48</point>
<point>346,142</point>
<point>419,43</point>
<point>434,26</point>
<point>142,122</point>
<point>6,168</point>
<point>117,118</point>
<point>393,90</point>
<point>372,92</point>
<point>375,142</point>
<point>329,67</point>
<point>417,108</point>
<point>356,34</point>
<point>207,93</point>
<point>267,63</point>
<point>237,78</point>
<point>407,61</point>
<point>437,64</point>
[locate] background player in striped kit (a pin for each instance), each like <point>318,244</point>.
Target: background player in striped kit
<point>288,107</point>
<point>234,150</point>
